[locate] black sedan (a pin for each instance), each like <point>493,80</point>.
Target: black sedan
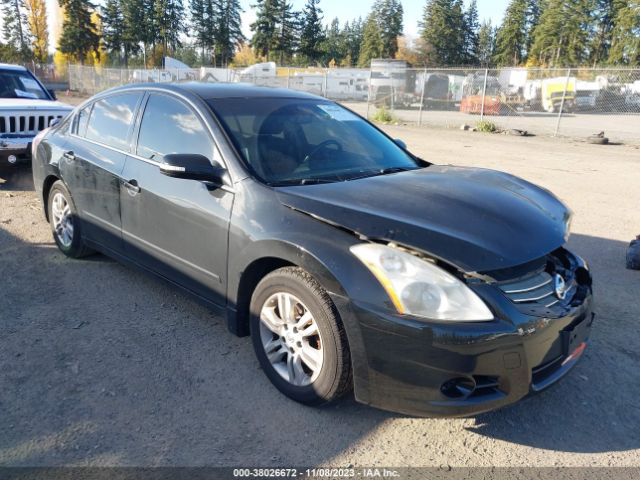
<point>428,289</point>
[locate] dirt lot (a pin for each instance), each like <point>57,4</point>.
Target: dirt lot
<point>619,127</point>
<point>103,365</point>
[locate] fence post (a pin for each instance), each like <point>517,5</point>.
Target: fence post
<point>324,84</point>
<point>484,92</point>
<point>369,93</point>
<point>564,94</point>
<point>423,82</point>
<point>288,77</point>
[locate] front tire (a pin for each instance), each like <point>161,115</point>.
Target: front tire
<point>299,338</point>
<point>65,223</point>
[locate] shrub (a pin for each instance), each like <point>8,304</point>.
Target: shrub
<point>486,126</point>
<point>383,115</point>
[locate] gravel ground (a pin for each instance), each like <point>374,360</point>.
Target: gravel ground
<point>103,365</point>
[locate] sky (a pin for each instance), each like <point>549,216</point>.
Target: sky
<point>343,9</point>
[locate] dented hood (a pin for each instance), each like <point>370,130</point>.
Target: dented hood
<point>475,219</point>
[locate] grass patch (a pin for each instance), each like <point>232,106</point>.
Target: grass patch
<point>486,126</point>
<point>383,115</point>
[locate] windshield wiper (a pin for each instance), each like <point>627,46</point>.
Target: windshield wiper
<point>383,171</point>
<point>312,181</point>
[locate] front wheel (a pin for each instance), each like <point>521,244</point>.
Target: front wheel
<point>299,338</point>
<point>65,223</point>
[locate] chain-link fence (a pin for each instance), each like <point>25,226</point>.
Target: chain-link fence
<point>572,102</point>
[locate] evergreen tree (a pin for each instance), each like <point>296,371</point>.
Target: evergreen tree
<point>562,34</point>
<point>134,26</point>
<point>442,33</point>
<point>486,43</point>
<point>288,27</point>
<point>334,46</point>
<point>606,15</point>
<point>372,45</point>
<point>312,35</point>
<point>113,28</point>
<point>200,30</point>
<point>511,37</point>
<point>471,34</point>
<point>79,36</point>
<point>15,28</point>
<point>264,28</point>
<point>228,34</point>
<point>353,34</point>
<point>37,18</point>
<point>534,8</point>
<point>388,14</point>
<point>169,23</point>
<point>625,37</point>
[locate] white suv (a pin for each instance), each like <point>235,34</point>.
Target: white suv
<point>26,108</point>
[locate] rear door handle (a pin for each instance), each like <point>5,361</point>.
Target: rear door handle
<point>69,155</point>
<point>132,186</point>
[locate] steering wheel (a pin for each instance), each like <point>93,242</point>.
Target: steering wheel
<point>322,146</point>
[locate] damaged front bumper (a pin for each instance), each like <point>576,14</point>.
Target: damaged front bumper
<point>421,367</point>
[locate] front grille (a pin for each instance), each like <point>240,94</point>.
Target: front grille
<point>537,289</point>
<point>531,287</point>
<point>28,124</point>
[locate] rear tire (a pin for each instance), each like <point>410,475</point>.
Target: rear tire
<point>65,224</point>
<point>299,338</point>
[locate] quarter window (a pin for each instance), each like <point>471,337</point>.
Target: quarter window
<point>82,120</point>
<point>169,126</point>
<point>111,119</point>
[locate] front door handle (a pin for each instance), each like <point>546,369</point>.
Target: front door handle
<point>132,187</point>
<point>69,155</point>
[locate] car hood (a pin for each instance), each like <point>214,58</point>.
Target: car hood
<point>32,104</point>
<point>475,219</point>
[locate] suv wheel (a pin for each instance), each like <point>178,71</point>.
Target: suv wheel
<point>299,338</point>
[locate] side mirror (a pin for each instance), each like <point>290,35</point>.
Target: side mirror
<point>52,93</point>
<point>400,143</point>
<point>192,166</point>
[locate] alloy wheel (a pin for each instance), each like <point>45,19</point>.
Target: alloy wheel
<point>62,219</point>
<point>291,339</point>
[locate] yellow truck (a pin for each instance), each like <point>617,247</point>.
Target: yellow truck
<point>552,91</point>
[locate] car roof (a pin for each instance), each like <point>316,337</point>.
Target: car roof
<point>207,91</point>
<point>9,66</point>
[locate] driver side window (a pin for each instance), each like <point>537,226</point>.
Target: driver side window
<point>169,126</point>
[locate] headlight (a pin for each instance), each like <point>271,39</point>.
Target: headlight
<point>419,287</point>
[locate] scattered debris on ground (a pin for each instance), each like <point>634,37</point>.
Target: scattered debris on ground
<point>598,139</point>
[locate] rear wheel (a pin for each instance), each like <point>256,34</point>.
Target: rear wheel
<point>65,223</point>
<point>299,338</point>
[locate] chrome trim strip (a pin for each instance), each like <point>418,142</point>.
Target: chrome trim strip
<point>552,303</point>
<point>532,299</point>
<point>171,168</point>
<point>529,289</point>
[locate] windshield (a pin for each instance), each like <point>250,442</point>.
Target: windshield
<point>300,141</point>
<point>20,84</point>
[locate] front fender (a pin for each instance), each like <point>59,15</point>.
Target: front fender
<point>331,264</point>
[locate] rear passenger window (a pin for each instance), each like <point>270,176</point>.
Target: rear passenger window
<point>169,126</point>
<point>111,118</point>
